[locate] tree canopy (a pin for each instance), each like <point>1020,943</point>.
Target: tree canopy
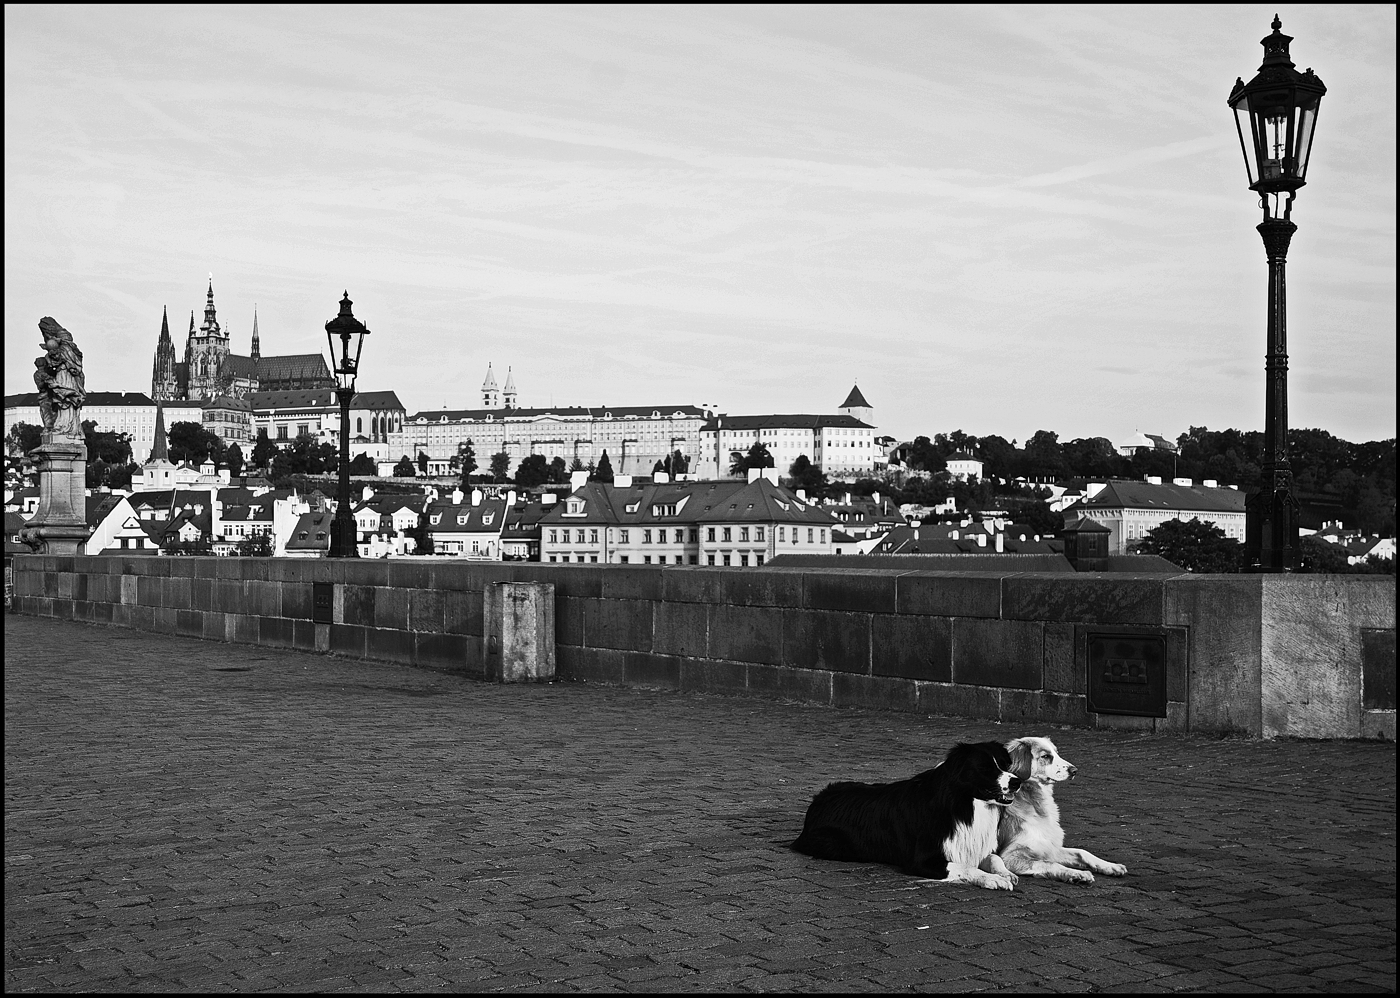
<point>757,457</point>
<point>1193,544</point>
<point>604,471</point>
<point>191,442</point>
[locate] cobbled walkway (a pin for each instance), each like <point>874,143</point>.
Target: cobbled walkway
<point>182,815</point>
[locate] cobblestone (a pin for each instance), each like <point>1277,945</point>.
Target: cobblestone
<point>310,823</point>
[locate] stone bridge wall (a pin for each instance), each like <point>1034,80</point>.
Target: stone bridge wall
<point>1297,655</point>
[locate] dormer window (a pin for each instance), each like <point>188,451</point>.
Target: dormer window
<point>486,519</point>
<point>575,507</point>
<point>435,518</point>
<point>632,507</point>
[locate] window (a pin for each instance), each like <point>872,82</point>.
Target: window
<point>646,559</point>
<point>726,559</point>
<point>593,537</point>
<point>726,532</point>
<point>623,559</point>
<point>553,538</point>
<point>435,519</point>
<point>695,559</point>
<point>552,558</point>
<point>782,532</point>
<point>646,538</point>
<point>303,429</point>
<point>709,536</point>
<point>680,536</point>
<point>711,559</point>
<point>758,533</point>
<point>359,425</point>
<point>744,560</point>
<point>622,536</point>
<point>592,557</point>
<point>282,432</point>
<point>695,536</point>
<point>461,519</point>
<point>758,559</point>
<point>823,535</point>
<point>809,535</point>
<point>743,533</point>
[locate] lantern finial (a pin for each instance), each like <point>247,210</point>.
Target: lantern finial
<point>1277,23</point>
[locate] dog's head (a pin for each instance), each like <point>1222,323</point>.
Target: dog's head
<point>984,768</point>
<point>1038,761</point>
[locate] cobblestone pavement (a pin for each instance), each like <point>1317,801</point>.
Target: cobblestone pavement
<point>189,815</point>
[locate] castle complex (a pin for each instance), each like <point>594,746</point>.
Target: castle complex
<point>210,369</point>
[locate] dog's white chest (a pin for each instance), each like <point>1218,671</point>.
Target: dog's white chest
<point>970,844</point>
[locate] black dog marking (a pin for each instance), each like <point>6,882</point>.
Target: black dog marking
<point>941,824</point>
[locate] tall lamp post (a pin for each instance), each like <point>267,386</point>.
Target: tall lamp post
<point>1275,116</point>
<point>345,327</point>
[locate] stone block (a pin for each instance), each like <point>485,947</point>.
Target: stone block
<point>1063,661</point>
<point>201,594</point>
<point>651,671</point>
<point>734,586</point>
<point>1177,721</point>
<point>263,598</point>
<point>876,692</point>
<point>387,644</point>
<point>176,593</point>
<point>304,634</point>
<point>1377,669</point>
<point>232,568</point>
<point>1124,722</point>
<point>451,652</point>
<point>518,632</point>
<point>102,612</point>
<point>321,640</point>
<point>949,594</point>
<point>805,685</point>
<point>1310,658</point>
<point>1223,618</point>
<point>347,639</point>
<point>409,574</point>
<point>357,604</point>
<point>855,590</point>
<point>148,590</point>
<point>998,653</point>
<point>297,599</point>
<point>241,627</point>
<point>275,631</point>
<point>141,617</point>
<point>62,609</point>
<point>632,582</point>
<point>1378,724</point>
<point>827,639</point>
<point>955,700</point>
<point>457,576</point>
<point>590,665</point>
<point>63,585</point>
<point>1031,707</point>
<point>167,620</point>
<point>624,624</point>
<point>364,572</point>
<point>228,595</point>
<point>680,629</point>
<point>214,625</point>
<point>705,675</point>
<point>1097,599</point>
<point>391,608</point>
<point>425,610</point>
<point>570,624</point>
<point>912,646</point>
<point>745,634</point>
<point>80,586</point>
<point>203,568</point>
<point>461,611</point>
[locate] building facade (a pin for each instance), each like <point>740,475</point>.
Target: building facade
<point>841,445</point>
<point>1130,509</point>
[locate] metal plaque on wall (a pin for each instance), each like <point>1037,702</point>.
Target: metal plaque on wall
<point>1127,674</point>
<point>323,602</point>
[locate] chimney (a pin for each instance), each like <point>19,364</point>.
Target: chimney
<point>366,494</point>
<point>1182,481</point>
<point>981,540</point>
<point>548,499</point>
<point>476,497</point>
<point>875,498</point>
<point>802,494</point>
<point>846,499</point>
<point>771,474</point>
<point>457,497</point>
<point>755,474</point>
<point>1210,483</point>
<point>622,481</point>
<point>664,478</point>
<point>1000,543</point>
<point>1093,489</point>
<point>1153,479</point>
<point>952,535</point>
<point>510,498</point>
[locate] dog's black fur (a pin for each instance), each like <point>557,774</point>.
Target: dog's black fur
<point>915,824</point>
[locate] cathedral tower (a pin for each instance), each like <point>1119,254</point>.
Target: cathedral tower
<point>205,352</point>
<point>165,382</point>
<point>490,394</point>
<point>257,350</point>
<point>508,392</point>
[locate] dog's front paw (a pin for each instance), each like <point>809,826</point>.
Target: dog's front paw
<point>1114,869</point>
<point>996,883</point>
<point>1077,877</point>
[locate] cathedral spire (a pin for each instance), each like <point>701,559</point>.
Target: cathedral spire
<point>163,375</point>
<point>257,350</point>
<point>159,450</point>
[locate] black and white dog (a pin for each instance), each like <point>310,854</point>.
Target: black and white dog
<point>941,824</point>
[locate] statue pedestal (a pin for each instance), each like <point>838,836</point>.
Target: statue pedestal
<point>60,525</point>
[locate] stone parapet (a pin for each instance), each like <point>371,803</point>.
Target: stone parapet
<point>1268,656</point>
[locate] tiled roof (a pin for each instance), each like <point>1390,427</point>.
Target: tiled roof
<point>696,502</point>
<point>801,421</point>
<point>475,517</point>
<point>99,506</point>
<point>320,398</point>
<point>93,398</point>
<point>855,399</point>
<point>564,412</point>
<point>1145,495</point>
<point>238,366</point>
<point>293,367</point>
<point>318,532</point>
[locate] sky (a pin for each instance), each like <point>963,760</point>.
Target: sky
<point>995,219</point>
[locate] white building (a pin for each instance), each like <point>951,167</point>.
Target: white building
<point>1131,509</point>
<point>841,445</point>
<point>132,413</point>
<point>964,466</point>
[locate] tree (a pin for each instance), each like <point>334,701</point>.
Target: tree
<point>532,471</point>
<point>363,464</point>
<point>422,538</point>
<point>1036,515</point>
<point>806,476</point>
<point>257,545</point>
<point>576,465</point>
<point>264,450</point>
<point>305,457</point>
<point>558,473</point>
<point>108,446</point>
<point>1043,455</point>
<point>678,463</point>
<point>193,443</point>
<point>1193,544</point>
<point>465,461</point>
<point>500,466</point>
<point>659,468</point>
<point>233,460</point>
<point>998,457</point>
<point>422,463</point>
<point>923,456</point>
<point>23,438</point>
<point>1323,557</point>
<point>757,457</point>
<point>404,469</point>
<point>604,472</point>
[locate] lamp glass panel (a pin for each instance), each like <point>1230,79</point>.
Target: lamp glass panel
<point>1243,124</point>
<point>1273,127</point>
<point>1307,122</point>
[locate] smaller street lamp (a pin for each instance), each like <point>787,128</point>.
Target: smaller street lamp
<point>345,326</point>
<point>1276,117</point>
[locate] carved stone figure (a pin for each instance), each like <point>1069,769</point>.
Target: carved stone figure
<point>59,377</point>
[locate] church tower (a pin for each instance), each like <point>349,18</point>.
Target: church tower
<point>490,394</point>
<point>207,348</point>
<point>508,393</point>
<point>256,353</point>
<point>165,383</point>
<point>855,405</point>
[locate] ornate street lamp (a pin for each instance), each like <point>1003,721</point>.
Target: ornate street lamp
<point>345,326</point>
<point>1275,116</point>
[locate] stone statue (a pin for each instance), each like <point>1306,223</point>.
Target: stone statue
<point>59,526</point>
<point>59,377</point>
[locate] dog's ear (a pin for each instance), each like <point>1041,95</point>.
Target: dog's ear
<point>1020,758</point>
